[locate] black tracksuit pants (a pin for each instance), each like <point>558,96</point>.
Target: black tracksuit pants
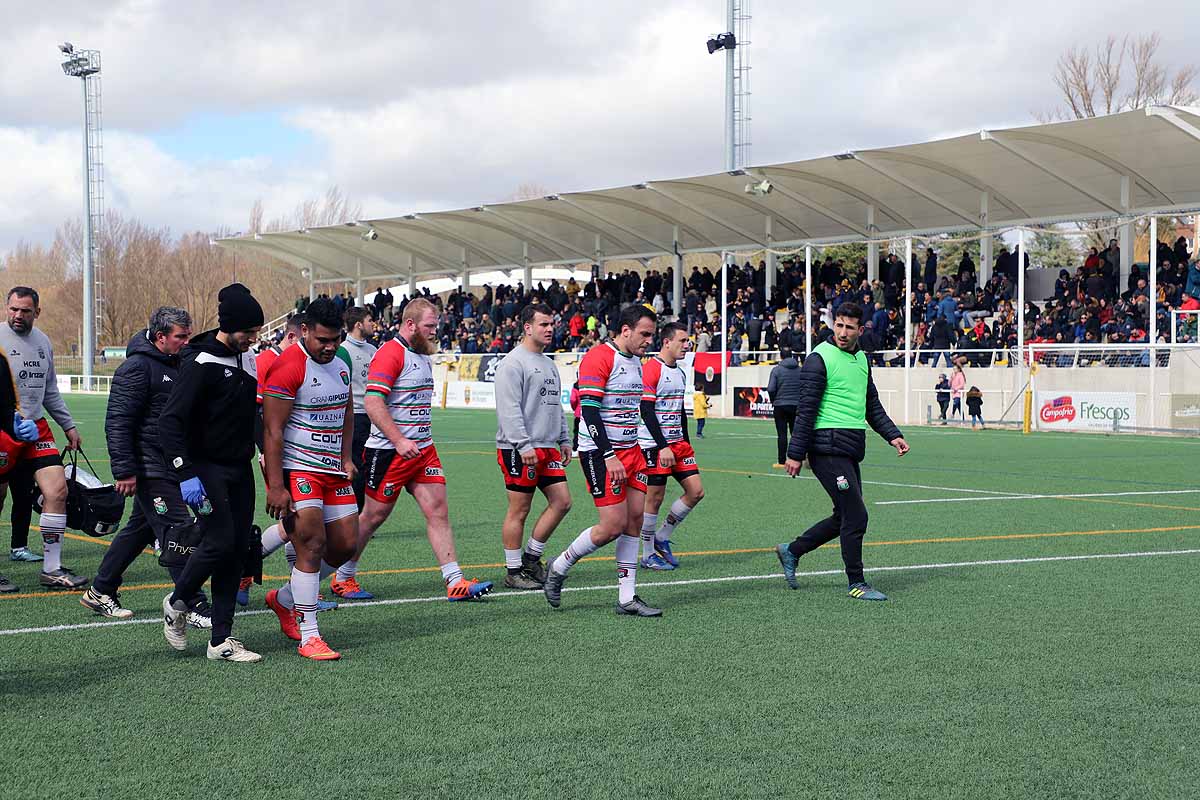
<point>362,429</point>
<point>849,518</point>
<point>785,420</point>
<point>20,495</point>
<point>230,491</point>
<point>144,526</point>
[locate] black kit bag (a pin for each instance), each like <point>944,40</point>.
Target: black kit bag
<point>93,506</point>
<point>179,542</point>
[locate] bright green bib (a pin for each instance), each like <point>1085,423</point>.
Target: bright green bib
<point>845,402</point>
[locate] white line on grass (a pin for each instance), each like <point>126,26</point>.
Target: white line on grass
<point>1032,497</point>
<point>1005,495</point>
<point>610,587</point>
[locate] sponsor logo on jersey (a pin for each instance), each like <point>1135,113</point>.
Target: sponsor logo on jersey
<point>433,472</point>
<point>43,446</point>
<point>554,465</point>
<point>641,476</point>
<point>166,379</point>
<point>160,506</point>
<point>228,372</point>
<point>344,491</point>
<point>689,462</point>
<point>177,462</point>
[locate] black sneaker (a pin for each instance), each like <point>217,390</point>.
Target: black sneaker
<point>521,579</point>
<point>534,567</point>
<point>7,586</point>
<point>637,608</point>
<point>63,578</point>
<point>553,588</point>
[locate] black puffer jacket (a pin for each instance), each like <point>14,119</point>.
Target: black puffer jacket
<point>845,442</point>
<point>140,388</point>
<point>784,384</point>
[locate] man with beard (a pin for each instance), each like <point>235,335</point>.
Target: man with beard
<point>400,453</point>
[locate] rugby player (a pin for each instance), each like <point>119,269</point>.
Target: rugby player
<point>308,425</point>
<point>358,352</point>
<point>532,446</point>
<point>610,390</point>
<point>15,431</point>
<point>663,437</point>
<point>32,361</point>
<point>400,453</point>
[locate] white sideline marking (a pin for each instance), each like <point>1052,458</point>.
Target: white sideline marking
<point>1005,495</point>
<point>1033,497</point>
<point>610,587</point>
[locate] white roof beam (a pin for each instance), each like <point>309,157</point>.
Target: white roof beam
<point>649,212</point>
<point>695,209</point>
<point>447,235</point>
<point>541,234</point>
<point>734,197</point>
<point>244,244</point>
<point>328,239</point>
<point>1168,115</point>
<point>874,165</point>
<point>811,204</point>
<point>845,188</point>
<point>272,242</point>
<point>953,172</point>
<point>1002,141</point>
<point>475,218</point>
<point>607,220</point>
<point>531,207</point>
<point>1095,155</point>
<point>410,248</point>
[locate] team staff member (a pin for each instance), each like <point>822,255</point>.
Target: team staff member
<point>532,446</point>
<point>140,388</point>
<point>837,402</point>
<point>32,360</point>
<point>15,432</point>
<point>360,325</point>
<point>783,387</point>
<point>207,435</point>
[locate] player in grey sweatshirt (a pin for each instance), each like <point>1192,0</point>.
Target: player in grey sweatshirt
<point>32,363</point>
<point>533,446</point>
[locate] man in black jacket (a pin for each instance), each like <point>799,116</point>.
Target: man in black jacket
<point>783,387</point>
<point>838,401</point>
<point>140,388</point>
<point>207,436</point>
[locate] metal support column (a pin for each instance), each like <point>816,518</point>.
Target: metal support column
<point>986,256</point>
<point>872,246</point>
<point>730,140</point>
<point>1021,292</point>
<point>769,285</point>
<point>359,293</point>
<point>677,277</point>
<point>728,259</point>
<point>466,273</point>
<point>1125,234</point>
<point>527,268</point>
<point>412,277</point>
<point>908,287</point>
<point>1152,314</point>
<point>808,320</point>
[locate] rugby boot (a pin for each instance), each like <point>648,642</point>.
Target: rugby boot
<point>865,591</point>
<point>789,562</point>
<point>105,605</point>
<point>637,608</point>
<point>63,578</point>
<point>232,650</point>
<point>316,649</point>
<point>287,617</point>
<point>463,589</point>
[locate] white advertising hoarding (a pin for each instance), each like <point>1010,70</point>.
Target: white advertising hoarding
<point>1091,411</point>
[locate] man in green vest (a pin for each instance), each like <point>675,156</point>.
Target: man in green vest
<point>837,402</point>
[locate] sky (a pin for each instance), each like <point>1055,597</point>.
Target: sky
<point>418,106</point>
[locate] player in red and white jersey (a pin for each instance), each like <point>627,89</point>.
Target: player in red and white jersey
<point>663,436</point>
<point>610,391</point>
<point>400,453</point>
<point>308,425</point>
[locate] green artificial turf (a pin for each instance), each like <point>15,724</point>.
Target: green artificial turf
<point>1034,679</point>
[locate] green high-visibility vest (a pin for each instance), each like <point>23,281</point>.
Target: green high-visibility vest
<point>845,402</point>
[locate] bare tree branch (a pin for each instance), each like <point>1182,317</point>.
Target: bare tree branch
<point>1109,61</point>
<point>1149,77</point>
<point>1181,92</point>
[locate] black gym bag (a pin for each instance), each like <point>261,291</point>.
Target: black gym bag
<point>179,542</point>
<point>93,507</point>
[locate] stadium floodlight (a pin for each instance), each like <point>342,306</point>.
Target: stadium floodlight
<point>370,235</point>
<point>722,41</point>
<point>85,65</point>
<point>760,188</point>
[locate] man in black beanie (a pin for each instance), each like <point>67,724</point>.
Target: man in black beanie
<point>207,436</point>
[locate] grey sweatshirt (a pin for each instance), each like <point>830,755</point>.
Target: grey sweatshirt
<point>32,364</point>
<point>528,409</point>
<point>360,354</point>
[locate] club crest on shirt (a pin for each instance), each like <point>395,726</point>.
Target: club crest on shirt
<point>345,376</point>
<point>160,506</point>
<point>389,489</point>
<point>303,486</point>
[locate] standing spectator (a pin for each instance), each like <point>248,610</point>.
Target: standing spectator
<point>958,381</point>
<point>700,406</point>
<point>943,395</point>
<point>975,407</point>
<point>931,261</point>
<point>783,387</point>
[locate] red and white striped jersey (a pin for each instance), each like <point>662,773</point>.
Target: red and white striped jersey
<point>666,387</point>
<point>404,378</point>
<point>312,437</point>
<point>612,382</point>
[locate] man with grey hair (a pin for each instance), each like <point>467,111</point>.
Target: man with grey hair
<point>140,388</point>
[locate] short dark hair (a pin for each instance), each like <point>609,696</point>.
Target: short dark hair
<point>296,320</point>
<point>534,308</point>
<point>850,310</point>
<point>669,330</point>
<point>356,315</point>
<point>633,314</point>
<point>25,291</point>
<point>165,319</point>
<point>323,312</point>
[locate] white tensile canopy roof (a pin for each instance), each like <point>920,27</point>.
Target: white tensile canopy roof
<point>1124,165</point>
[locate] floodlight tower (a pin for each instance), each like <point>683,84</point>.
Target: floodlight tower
<point>85,65</point>
<point>737,82</point>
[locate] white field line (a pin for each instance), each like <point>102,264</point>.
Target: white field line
<point>802,476</point>
<point>1033,497</point>
<point>611,587</point>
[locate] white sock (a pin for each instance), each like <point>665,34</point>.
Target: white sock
<point>451,574</point>
<point>347,571</point>
<point>512,558</point>
<point>304,589</point>
<point>627,550</point>
<point>678,513</point>
<point>284,595</point>
<point>579,548</point>
<point>289,550</point>
<point>52,526</point>
<point>534,547</point>
<point>649,523</point>
<point>271,540</point>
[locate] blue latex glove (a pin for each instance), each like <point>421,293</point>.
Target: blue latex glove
<point>25,429</point>
<point>193,492</point>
